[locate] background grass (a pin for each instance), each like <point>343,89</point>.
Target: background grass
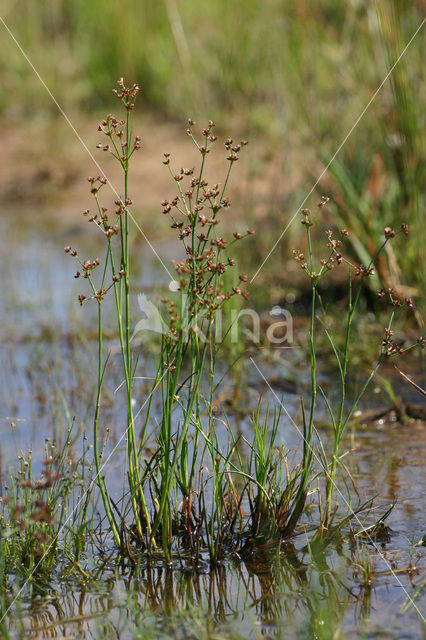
<point>296,76</point>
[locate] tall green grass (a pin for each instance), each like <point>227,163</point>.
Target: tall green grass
<point>211,56</point>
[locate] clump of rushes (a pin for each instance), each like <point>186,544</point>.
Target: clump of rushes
<point>195,212</point>
<point>31,513</point>
<point>190,495</point>
<point>389,348</point>
<point>189,349</point>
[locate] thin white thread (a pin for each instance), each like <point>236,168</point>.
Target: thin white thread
<point>113,189</point>
<point>164,266</point>
<point>79,502</point>
<point>339,492</point>
<point>339,149</point>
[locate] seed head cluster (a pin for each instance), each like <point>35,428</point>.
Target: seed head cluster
<point>391,297</point>
<point>334,244</point>
<point>120,144</point>
<point>196,213</point>
<point>336,257</point>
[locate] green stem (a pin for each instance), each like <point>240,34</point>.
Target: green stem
<point>100,481</point>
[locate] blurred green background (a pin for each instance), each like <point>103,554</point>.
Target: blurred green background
<point>294,76</point>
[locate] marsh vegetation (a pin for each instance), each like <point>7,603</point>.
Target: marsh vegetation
<point>217,434</point>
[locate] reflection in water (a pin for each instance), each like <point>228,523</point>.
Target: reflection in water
<point>275,594</point>
<point>285,593</point>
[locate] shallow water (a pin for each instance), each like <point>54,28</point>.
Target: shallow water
<point>46,379</point>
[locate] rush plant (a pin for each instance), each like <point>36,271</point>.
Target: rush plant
<point>197,490</point>
<point>115,276</point>
<point>348,400</point>
<point>188,352</point>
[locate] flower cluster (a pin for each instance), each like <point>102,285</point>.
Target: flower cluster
<point>87,267</point>
<point>196,212</point>
<point>101,217</point>
<point>390,296</point>
<point>121,145</point>
<point>127,94</point>
<point>389,346</point>
<point>119,142</point>
<point>334,244</point>
<point>335,256</point>
<point>363,271</point>
<point>392,348</point>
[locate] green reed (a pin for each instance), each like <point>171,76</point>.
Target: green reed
<point>116,275</point>
<point>346,405</point>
